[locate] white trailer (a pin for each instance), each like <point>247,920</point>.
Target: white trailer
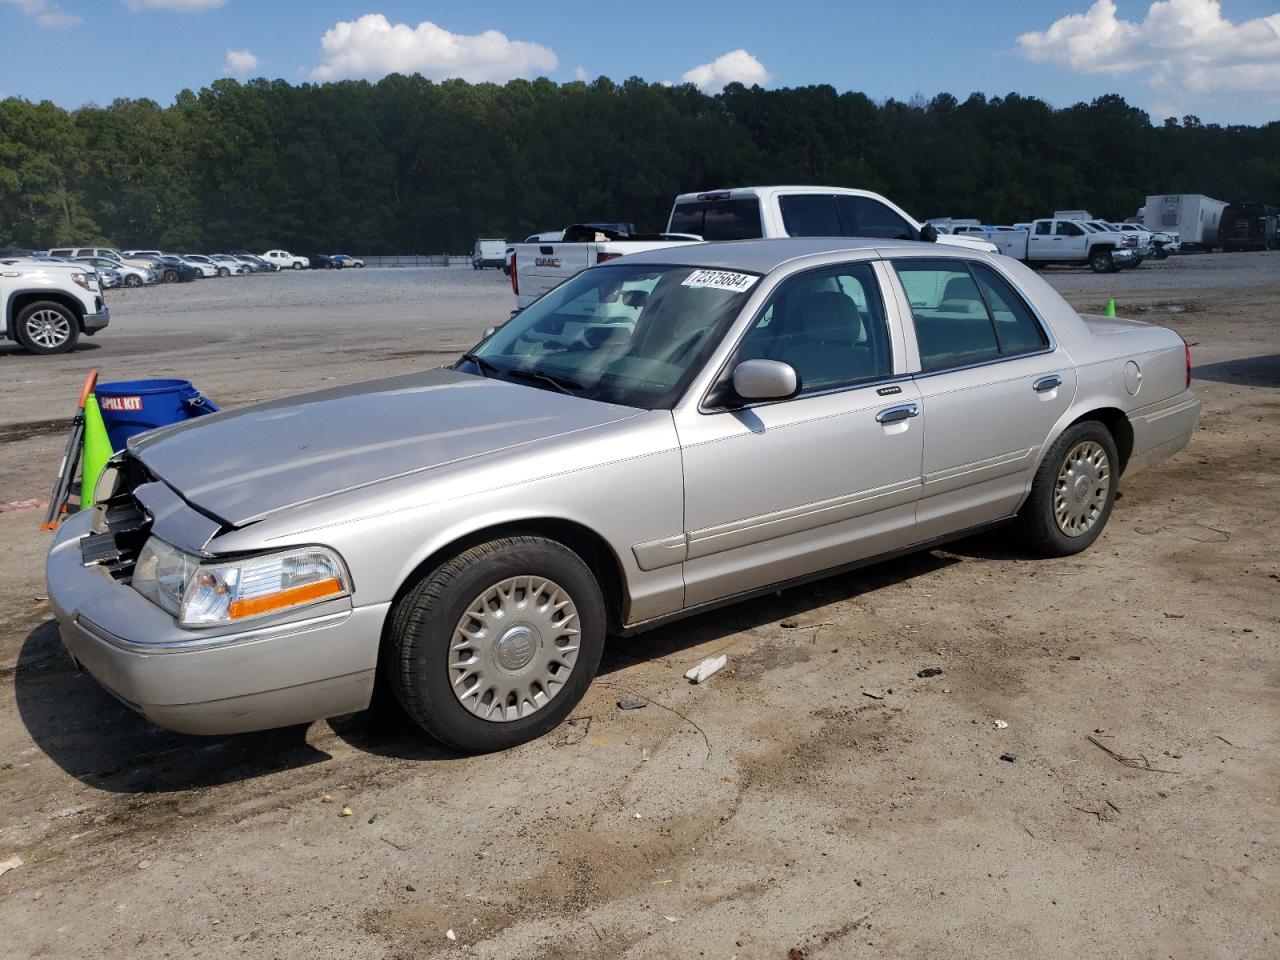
<point>1192,216</point>
<point>1073,215</point>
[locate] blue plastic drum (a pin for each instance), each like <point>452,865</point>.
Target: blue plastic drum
<point>134,406</point>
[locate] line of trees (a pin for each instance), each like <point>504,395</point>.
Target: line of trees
<point>406,165</point>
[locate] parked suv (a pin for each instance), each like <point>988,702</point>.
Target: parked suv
<point>49,303</point>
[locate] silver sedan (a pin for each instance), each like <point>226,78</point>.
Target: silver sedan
<point>658,435</point>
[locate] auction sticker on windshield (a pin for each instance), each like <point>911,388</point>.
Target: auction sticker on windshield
<point>721,280</point>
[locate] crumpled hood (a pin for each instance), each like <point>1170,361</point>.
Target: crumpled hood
<point>242,465</point>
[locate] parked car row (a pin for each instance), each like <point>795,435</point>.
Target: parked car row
<point>137,268</point>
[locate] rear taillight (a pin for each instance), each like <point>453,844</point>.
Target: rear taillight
<point>1187,348</point>
<point>515,283</point>
<point>602,256</point>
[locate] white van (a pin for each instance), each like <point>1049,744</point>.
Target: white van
<point>489,253</point>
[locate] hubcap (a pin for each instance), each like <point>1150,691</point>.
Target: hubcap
<point>48,329</point>
<point>1084,481</point>
<point>514,648</point>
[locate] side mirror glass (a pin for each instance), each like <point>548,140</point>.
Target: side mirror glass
<point>765,380</point>
<point>929,233</point>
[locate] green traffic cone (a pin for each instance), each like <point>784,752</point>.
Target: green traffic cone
<point>97,451</point>
<point>1111,307</point>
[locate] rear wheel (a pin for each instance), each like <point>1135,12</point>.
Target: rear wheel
<point>1101,261</point>
<point>46,327</point>
<point>1072,493</point>
<point>496,646</point>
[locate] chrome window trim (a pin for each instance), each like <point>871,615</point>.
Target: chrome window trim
<point>895,343</point>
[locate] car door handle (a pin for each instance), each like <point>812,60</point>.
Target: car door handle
<point>1044,384</point>
<point>897,414</point>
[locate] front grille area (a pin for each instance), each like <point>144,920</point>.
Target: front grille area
<point>120,525</point>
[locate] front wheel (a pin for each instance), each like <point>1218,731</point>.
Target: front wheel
<point>297,265</point>
<point>1102,262</point>
<point>496,646</point>
<point>46,327</point>
<point>1073,492</point>
<point>1161,253</point>
<point>132,280</point>
<point>224,272</point>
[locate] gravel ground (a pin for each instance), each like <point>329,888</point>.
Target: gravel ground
<point>816,795</point>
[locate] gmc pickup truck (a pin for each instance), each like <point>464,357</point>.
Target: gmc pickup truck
<point>47,304</point>
<point>742,213</point>
<point>1068,241</point>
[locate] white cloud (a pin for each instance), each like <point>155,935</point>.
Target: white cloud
<point>580,73</point>
<point>46,13</point>
<point>239,63</point>
<point>1182,49</point>
<point>179,6</point>
<point>371,47</point>
<point>737,66</point>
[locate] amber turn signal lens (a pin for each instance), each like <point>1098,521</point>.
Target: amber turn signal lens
<point>294,596</point>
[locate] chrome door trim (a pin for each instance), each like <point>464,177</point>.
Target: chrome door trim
<point>655,554</point>
<point>807,516</point>
<point>999,460</point>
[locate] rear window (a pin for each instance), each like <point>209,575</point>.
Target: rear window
<point>718,219</point>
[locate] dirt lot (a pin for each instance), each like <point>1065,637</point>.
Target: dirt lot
<point>816,795</point>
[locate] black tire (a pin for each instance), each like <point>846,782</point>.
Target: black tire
<point>297,265</point>
<point>422,624</point>
<point>33,333</point>
<point>132,280</point>
<point>1161,253</point>
<point>224,272</point>
<point>1101,261</point>
<point>1037,525</point>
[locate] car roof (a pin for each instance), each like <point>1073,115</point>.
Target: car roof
<point>763,256</point>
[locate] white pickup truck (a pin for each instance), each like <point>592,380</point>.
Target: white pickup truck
<point>743,213</point>
<point>1067,241</point>
<point>47,304</point>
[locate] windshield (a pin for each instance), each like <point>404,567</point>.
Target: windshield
<point>631,334</point>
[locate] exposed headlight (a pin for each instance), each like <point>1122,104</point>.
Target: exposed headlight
<point>205,594</point>
<point>81,279</point>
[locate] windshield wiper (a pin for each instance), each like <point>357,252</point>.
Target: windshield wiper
<point>485,366</point>
<point>562,384</point>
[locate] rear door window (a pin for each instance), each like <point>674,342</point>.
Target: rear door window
<point>718,219</point>
<point>810,215</point>
<point>1016,327</point>
<point>966,313</point>
<point>865,217</point>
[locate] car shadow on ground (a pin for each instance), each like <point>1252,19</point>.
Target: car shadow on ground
<point>10,349</point>
<point>386,731</point>
<point>101,742</point>
<point>1263,371</point>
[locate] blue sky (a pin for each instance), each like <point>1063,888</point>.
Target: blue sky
<point>1219,60</point>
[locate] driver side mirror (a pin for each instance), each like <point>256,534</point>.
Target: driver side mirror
<point>765,380</point>
<point>929,233</point>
